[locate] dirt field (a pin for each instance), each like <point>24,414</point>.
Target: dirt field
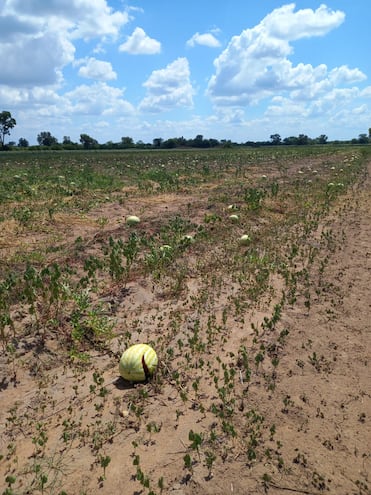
<point>264,381</point>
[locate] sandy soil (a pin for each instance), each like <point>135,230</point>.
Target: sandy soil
<point>311,426</point>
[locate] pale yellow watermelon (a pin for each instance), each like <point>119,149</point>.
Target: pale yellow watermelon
<point>234,218</point>
<point>138,363</point>
<point>132,220</point>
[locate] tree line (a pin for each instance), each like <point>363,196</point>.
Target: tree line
<point>46,140</point>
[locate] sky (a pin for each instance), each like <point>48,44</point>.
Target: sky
<point>237,69</point>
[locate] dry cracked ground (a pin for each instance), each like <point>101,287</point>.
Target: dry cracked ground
<point>270,397</point>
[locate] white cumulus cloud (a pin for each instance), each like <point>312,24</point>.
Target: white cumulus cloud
<point>344,75</point>
<point>97,69</point>
<point>37,37</point>
<point>81,18</point>
<point>139,43</point>
<point>35,60</point>
<point>97,99</point>
<point>366,92</point>
<point>205,39</point>
<point>255,64</point>
<point>168,88</point>
<point>286,24</point>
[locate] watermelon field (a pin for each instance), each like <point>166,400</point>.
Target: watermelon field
<point>247,271</point>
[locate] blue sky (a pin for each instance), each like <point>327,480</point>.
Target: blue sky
<point>239,70</point>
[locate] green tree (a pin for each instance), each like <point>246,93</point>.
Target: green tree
<point>6,123</point>
<point>303,139</point>
<point>362,139</point>
<point>87,141</point>
<point>46,139</point>
<point>322,139</point>
<point>169,143</point>
<point>67,140</point>
<point>213,142</point>
<point>275,139</point>
<point>127,142</point>
<point>23,143</point>
<point>198,141</point>
<point>292,140</point>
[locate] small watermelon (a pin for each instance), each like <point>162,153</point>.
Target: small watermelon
<point>166,248</point>
<point>187,239</point>
<point>132,220</point>
<point>245,240</point>
<point>138,363</point>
